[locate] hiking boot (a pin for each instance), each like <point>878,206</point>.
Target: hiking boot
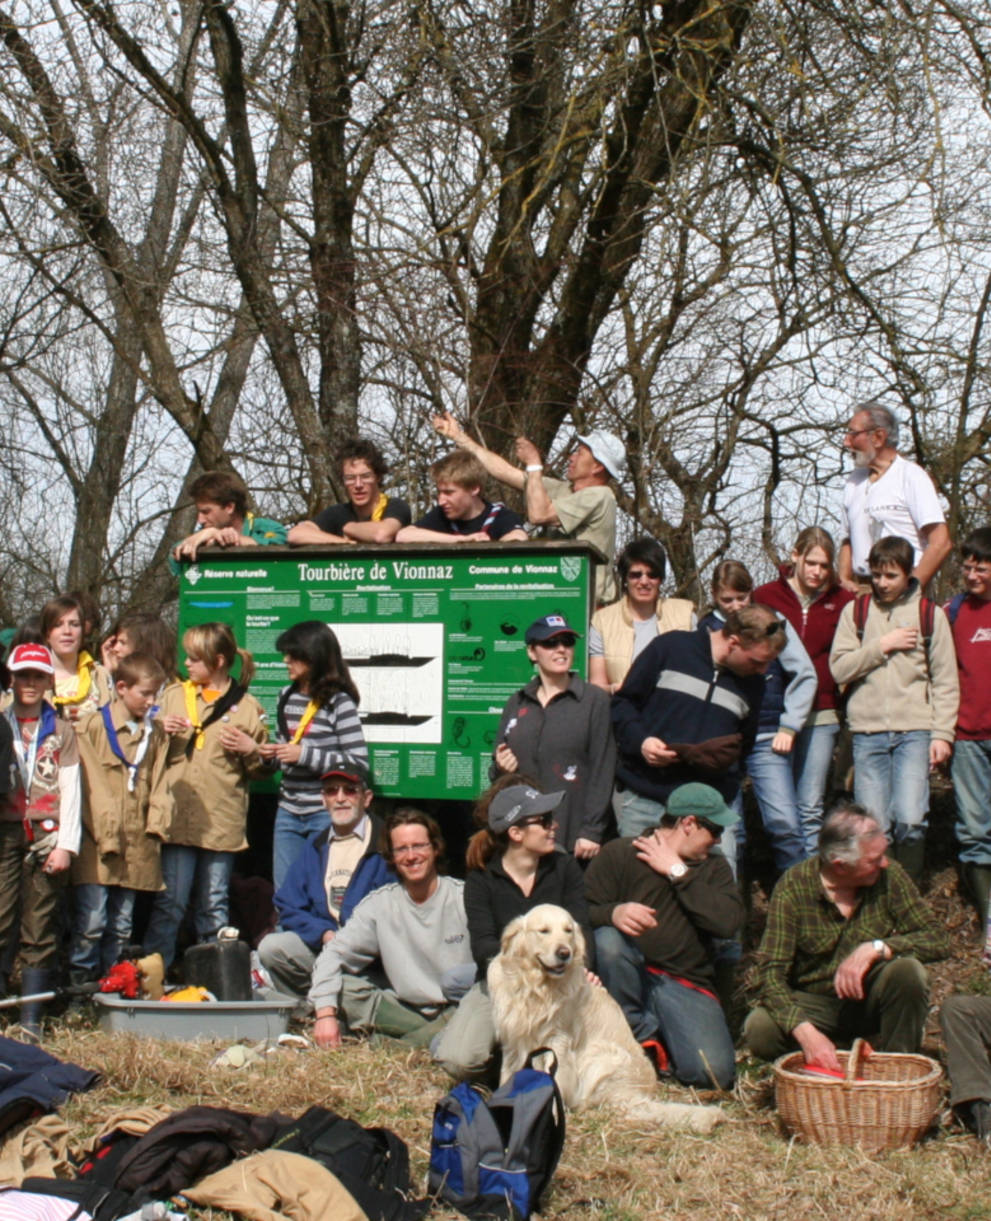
<point>980,1120</point>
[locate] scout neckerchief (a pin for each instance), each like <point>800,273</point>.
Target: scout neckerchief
<point>380,506</point>
<point>26,758</point>
<point>493,513</point>
<point>309,712</point>
<point>118,750</point>
<point>231,696</point>
<point>84,680</point>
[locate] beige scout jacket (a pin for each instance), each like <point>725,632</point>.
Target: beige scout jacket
<point>615,625</point>
<point>210,789</point>
<point>897,692</point>
<point>122,830</point>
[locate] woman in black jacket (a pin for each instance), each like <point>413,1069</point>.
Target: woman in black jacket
<point>512,867</point>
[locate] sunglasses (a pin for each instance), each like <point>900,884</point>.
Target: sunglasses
<point>538,820</point>
<point>714,829</point>
<point>567,641</point>
<point>639,574</point>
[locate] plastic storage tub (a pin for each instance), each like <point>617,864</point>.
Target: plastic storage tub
<point>226,1020</point>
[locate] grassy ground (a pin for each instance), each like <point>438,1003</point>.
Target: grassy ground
<point>611,1170</point>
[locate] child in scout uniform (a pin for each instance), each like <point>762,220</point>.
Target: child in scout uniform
<point>40,821</point>
<point>215,729</point>
<point>126,814</point>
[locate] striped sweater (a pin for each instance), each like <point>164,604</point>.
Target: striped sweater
<point>334,736</point>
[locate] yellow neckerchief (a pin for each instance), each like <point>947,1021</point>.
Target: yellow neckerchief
<point>84,680</point>
<point>309,712</point>
<point>379,511</point>
<point>190,692</point>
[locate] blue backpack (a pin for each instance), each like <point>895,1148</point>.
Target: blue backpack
<point>493,1157</point>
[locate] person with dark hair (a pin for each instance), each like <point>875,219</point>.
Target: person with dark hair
<point>887,495</point>
<point>141,632</point>
<point>557,729</point>
<point>689,710</point>
<point>620,632</point>
<point>403,960</point>
<point>841,957</point>
<point>902,697</point>
<point>368,515</point>
<point>969,614</point>
<point>81,684</point>
<point>216,733</point>
<point>810,597</point>
<point>512,868</point>
<point>462,514</point>
<point>223,518</point>
<point>317,730</point>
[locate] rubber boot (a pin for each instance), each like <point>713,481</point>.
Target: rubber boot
<point>912,858</point>
<point>34,979</point>
<point>978,879</point>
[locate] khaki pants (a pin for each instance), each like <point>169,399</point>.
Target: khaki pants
<point>24,884</point>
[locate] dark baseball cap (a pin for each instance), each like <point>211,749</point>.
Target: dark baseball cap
<point>355,770</point>
<point>549,626</point>
<point>517,802</point>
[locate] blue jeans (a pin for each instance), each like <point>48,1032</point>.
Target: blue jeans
<point>971,771</point>
<point>774,788</point>
<point>292,831</point>
<point>812,757</point>
<point>101,927</point>
<point>690,1024</point>
<point>189,873</point>
<point>891,778</point>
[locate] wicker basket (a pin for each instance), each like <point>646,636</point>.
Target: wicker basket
<point>889,1107</point>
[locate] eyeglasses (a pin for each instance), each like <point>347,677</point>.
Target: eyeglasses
<point>555,641</point>
<point>351,480</point>
<point>857,432</point>
<point>538,820</point>
<point>642,575</point>
<point>714,829</point>
<point>349,790</point>
<point>411,849</point>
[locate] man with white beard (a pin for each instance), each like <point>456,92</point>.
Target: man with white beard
<point>885,495</point>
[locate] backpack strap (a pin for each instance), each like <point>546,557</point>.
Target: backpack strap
<point>861,607</point>
<point>952,608</point>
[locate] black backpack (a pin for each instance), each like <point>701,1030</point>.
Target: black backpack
<point>372,1163</point>
<point>494,1157</point>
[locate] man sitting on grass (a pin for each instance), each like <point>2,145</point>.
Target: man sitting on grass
<point>403,961</point>
<point>847,933</point>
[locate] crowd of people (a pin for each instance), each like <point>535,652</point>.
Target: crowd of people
<point>617,797</point>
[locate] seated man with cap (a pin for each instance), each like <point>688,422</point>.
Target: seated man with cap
<point>557,730</point>
<point>841,957</point>
<point>327,881</point>
<point>656,902</point>
<point>582,507</point>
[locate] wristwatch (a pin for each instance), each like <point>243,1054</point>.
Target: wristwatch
<point>677,870</point>
<point>879,947</point>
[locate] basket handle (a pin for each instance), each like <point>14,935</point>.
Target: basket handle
<point>853,1061</point>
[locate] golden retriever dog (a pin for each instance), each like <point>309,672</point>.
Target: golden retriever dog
<point>541,997</point>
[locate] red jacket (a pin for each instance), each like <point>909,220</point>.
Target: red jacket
<point>816,625</point>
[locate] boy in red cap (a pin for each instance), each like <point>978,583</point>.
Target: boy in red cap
<point>40,821</point>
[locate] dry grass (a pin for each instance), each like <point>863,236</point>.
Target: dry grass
<point>611,1170</point>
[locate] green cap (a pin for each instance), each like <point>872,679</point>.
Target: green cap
<point>703,801</point>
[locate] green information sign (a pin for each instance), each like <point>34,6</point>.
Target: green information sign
<point>433,636</point>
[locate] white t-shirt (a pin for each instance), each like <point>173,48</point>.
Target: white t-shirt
<point>900,503</point>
